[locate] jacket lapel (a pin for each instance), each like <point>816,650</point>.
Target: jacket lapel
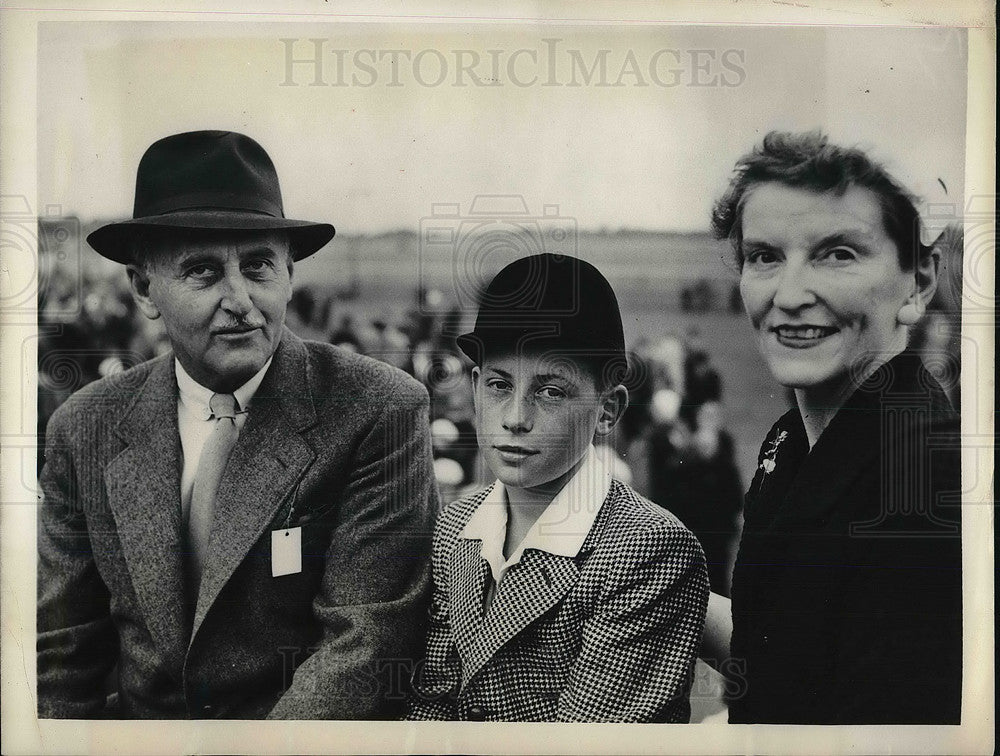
<point>466,590</point>
<point>841,453</point>
<point>528,591</point>
<point>268,461</point>
<point>143,487</point>
<point>862,430</point>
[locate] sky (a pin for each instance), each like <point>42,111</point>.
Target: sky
<point>612,126</point>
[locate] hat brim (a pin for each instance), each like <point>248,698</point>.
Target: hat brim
<point>471,346</point>
<point>500,336</point>
<point>115,240</point>
<point>528,339</point>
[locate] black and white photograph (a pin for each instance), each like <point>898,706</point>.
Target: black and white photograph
<point>404,383</point>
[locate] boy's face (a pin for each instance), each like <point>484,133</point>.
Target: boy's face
<point>536,416</point>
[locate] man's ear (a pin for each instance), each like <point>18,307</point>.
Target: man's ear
<point>614,402</point>
<point>138,281</point>
<point>291,274</point>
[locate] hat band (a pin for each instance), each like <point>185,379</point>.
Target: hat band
<point>210,201</point>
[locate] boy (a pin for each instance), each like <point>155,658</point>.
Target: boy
<point>559,593</point>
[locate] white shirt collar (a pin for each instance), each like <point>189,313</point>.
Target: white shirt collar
<point>196,397</point>
<point>561,529</point>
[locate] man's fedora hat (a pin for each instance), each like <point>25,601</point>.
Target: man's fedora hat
<point>553,303</point>
<point>207,180</point>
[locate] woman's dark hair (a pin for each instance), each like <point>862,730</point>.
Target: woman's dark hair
<point>807,160</point>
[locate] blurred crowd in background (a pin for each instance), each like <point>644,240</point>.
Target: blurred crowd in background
<point>672,444</point>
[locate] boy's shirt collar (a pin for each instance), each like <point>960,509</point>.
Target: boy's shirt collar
<point>560,530</point>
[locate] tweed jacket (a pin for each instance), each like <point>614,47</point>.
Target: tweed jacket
<point>336,444</point>
<point>847,591</point>
<point>610,635</point>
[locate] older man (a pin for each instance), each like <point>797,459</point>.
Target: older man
<point>241,528</point>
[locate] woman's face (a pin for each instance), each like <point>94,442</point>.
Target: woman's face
<point>822,284</point>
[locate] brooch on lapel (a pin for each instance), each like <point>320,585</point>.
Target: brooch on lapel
<point>767,464</point>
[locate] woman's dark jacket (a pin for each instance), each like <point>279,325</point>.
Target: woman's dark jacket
<point>847,591</point>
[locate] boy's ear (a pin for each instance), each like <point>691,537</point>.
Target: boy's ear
<point>476,375</point>
<point>138,281</point>
<point>614,402</point>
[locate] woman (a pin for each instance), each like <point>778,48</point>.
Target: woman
<point>846,596</point>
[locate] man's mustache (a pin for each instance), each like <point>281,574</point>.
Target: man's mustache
<point>241,324</point>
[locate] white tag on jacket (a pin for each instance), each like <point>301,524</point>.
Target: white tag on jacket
<point>286,551</point>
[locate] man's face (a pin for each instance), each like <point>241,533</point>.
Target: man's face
<point>822,284</point>
<point>535,419</point>
<point>222,299</point>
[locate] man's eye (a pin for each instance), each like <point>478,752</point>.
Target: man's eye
<point>200,271</point>
<point>840,254</point>
<point>498,385</point>
<point>259,265</point>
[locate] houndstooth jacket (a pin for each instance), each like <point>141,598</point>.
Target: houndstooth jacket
<point>610,635</point>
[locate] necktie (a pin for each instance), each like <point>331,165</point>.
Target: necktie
<point>211,466</point>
